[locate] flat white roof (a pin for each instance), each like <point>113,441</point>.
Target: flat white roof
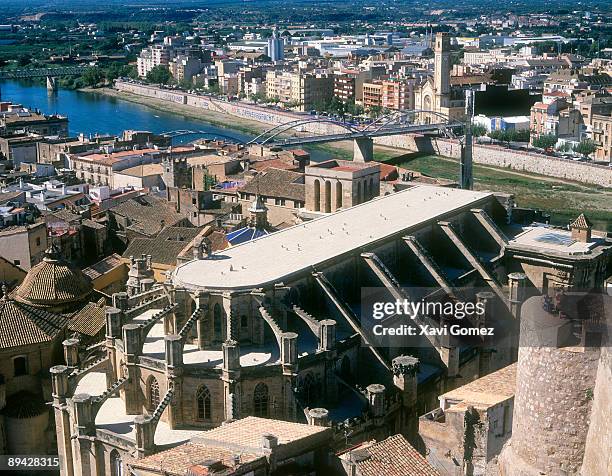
<point>553,239</point>
<point>274,257</point>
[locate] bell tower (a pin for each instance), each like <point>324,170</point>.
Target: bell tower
<point>442,69</point>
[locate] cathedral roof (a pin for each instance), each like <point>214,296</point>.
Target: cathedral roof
<point>53,282</point>
<point>22,324</point>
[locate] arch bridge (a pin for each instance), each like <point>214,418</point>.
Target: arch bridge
<point>395,123</point>
<point>213,135</point>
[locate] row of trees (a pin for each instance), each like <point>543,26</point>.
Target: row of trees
<point>542,141</point>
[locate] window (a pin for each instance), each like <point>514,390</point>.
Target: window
<point>17,262</point>
<point>217,323</point>
<point>244,321</point>
<point>116,465</point>
<point>20,366</point>
<point>309,388</point>
<point>38,241</point>
<point>153,390</point>
<point>260,400</point>
<point>203,403</point>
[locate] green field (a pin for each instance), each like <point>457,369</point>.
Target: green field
<point>563,200</point>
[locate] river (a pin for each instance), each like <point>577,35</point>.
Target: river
<point>92,113</point>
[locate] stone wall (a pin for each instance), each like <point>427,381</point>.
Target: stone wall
<point>597,456</point>
<point>507,158</point>
<point>483,154</point>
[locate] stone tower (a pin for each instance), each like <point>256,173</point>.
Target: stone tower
<point>442,69</point>
<point>176,172</point>
<point>556,374</point>
<point>259,213</point>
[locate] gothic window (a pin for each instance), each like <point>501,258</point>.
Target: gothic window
<point>20,366</point>
<point>116,465</point>
<point>260,400</point>
<point>217,323</point>
<point>345,368</point>
<point>204,403</point>
<point>153,393</point>
<point>309,389</point>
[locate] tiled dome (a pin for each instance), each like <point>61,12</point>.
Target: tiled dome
<point>53,283</point>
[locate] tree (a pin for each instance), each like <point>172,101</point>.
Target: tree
<point>159,74</point>
<point>478,130</point>
<point>586,147</point>
<point>92,76</point>
<point>544,141</point>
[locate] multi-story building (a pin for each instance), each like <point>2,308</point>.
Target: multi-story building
<point>309,90</point>
<point>397,94</point>
<point>184,68</point>
<point>344,87</point>
<point>278,85</point>
<point>372,94</point>
<point>24,245</point>
<point>601,133</point>
<point>99,168</point>
<point>554,118</point>
<point>15,118</point>
<point>155,55</point>
<point>303,90</point>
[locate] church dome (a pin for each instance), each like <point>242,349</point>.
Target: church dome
<point>54,283</point>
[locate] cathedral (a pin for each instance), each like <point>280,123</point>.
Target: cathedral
<point>277,327</point>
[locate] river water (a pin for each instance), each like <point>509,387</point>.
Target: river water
<point>91,113</point>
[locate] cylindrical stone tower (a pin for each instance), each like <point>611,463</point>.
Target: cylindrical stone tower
<point>552,404</point>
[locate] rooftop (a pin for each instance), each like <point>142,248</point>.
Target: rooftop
<point>21,324</point>
<point>176,461</point>
<point>485,391</point>
<point>549,239</point>
<point>393,456</point>
<point>307,245</point>
<point>248,432</point>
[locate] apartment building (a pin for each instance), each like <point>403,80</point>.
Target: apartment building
<point>278,85</point>
<point>154,55</point>
<point>555,118</point>
<point>397,95</point>
<point>372,94</point>
<point>99,168</point>
<point>305,90</point>
<point>309,90</point>
<point>344,87</point>
<point>184,68</point>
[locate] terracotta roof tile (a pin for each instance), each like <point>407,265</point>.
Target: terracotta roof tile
<point>277,183</point>
<point>53,282</point>
<point>581,222</point>
<point>90,320</point>
<point>394,457</point>
<point>22,324</point>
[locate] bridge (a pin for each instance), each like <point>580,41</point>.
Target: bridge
<point>396,123</point>
<point>418,121</point>
<point>50,73</point>
<point>212,135</point>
